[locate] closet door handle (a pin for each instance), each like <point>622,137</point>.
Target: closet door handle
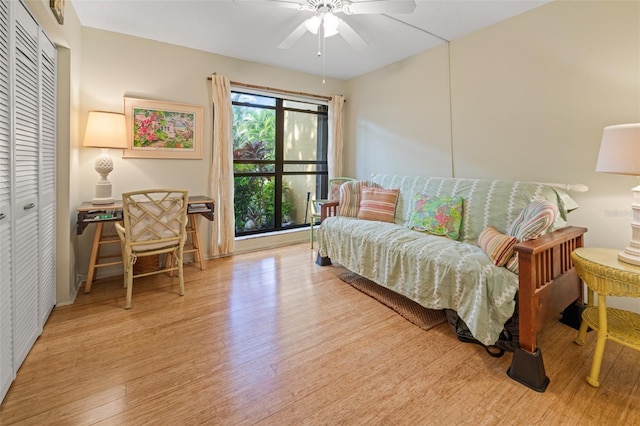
<point>29,206</point>
<point>2,216</point>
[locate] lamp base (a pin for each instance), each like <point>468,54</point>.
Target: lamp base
<point>629,255</point>
<point>103,193</point>
<point>101,201</point>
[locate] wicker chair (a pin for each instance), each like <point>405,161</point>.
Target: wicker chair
<point>154,223</point>
<point>334,195</point>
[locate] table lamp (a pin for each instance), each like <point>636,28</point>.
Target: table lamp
<point>620,154</point>
<point>105,130</point>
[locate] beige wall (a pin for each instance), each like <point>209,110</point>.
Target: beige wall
<point>116,65</point>
<point>564,71</point>
<point>397,118</point>
<point>529,99</point>
<point>523,99</point>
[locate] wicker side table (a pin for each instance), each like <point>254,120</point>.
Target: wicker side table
<point>605,275</point>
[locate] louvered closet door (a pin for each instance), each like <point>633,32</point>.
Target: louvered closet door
<point>26,158</point>
<point>47,178</point>
<point>6,297</point>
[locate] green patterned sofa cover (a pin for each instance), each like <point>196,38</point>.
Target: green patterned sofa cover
<point>437,272</point>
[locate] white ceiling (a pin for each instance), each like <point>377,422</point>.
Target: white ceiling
<point>252,30</point>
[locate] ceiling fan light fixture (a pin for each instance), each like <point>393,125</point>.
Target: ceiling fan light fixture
<point>325,5</point>
<point>330,23</point>
<point>313,24</point>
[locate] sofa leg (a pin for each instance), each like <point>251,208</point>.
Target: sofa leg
<point>322,261</point>
<point>572,315</point>
<point>528,369</point>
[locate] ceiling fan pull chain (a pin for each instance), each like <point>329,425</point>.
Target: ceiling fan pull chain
<point>324,56</point>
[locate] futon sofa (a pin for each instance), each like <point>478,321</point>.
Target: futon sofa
<point>467,245</point>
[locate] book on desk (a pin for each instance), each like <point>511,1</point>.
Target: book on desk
<point>197,208</point>
<point>98,215</point>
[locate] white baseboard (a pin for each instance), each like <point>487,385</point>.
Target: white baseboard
<point>271,240</point>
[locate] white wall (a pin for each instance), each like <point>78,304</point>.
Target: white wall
<point>529,99</point>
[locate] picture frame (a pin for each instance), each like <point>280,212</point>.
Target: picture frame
<point>158,129</point>
<point>57,7</point>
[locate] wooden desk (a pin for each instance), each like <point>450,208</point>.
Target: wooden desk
<point>100,214</point>
<point>605,275</point>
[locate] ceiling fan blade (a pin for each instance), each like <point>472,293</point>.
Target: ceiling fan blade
<point>380,6</point>
<point>290,4</point>
<point>294,36</point>
<point>351,36</point>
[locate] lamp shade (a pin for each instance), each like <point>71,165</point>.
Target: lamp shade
<point>105,130</point>
<point>620,150</point>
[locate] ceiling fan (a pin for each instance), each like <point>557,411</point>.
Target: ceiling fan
<point>325,22</point>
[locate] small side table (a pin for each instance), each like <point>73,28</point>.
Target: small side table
<point>605,275</point>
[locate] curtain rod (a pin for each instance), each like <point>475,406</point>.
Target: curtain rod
<point>273,89</point>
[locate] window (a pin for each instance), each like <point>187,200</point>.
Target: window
<point>279,161</point>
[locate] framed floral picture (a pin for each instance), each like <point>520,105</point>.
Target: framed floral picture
<point>157,129</point>
<point>57,7</point>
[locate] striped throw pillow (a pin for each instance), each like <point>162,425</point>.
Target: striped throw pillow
<point>334,192</point>
<point>378,204</point>
<point>533,220</point>
<point>513,264</point>
<point>498,246</point>
<point>350,197</point>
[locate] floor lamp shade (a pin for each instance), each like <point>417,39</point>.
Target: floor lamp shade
<point>620,154</point>
<point>105,130</point>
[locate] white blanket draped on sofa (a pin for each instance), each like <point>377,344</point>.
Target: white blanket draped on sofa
<point>435,271</point>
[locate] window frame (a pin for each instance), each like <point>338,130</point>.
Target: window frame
<point>279,163</point>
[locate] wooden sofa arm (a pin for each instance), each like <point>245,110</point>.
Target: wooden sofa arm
<point>328,209</point>
<point>548,282</point>
<point>548,285</point>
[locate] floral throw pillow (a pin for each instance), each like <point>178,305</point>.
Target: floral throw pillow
<point>436,215</point>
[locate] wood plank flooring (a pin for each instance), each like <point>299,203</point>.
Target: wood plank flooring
<point>270,338</point>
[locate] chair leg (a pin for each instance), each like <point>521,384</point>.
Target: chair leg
<point>180,270</point>
<point>129,282</point>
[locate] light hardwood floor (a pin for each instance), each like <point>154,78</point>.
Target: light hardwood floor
<point>271,338</point>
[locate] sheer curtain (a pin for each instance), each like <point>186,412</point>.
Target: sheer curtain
<point>334,154</point>
<point>222,238</point>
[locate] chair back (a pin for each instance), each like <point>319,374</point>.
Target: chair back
<point>155,219</point>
